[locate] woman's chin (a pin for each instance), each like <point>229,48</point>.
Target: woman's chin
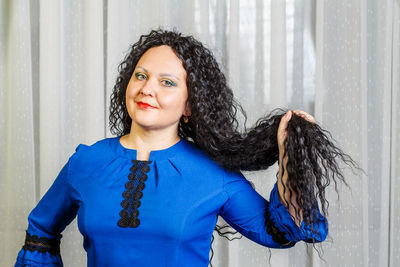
<point>146,124</point>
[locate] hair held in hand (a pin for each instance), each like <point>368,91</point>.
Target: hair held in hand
<point>313,158</point>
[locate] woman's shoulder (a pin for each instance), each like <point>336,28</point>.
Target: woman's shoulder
<point>93,153</point>
<point>197,162</point>
<point>192,153</point>
<point>196,159</point>
<point>95,146</point>
<point>95,149</point>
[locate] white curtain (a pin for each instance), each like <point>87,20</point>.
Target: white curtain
<point>338,60</point>
<point>357,98</point>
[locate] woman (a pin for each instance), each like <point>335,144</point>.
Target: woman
<point>151,196</point>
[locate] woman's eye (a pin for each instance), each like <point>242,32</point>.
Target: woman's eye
<point>140,76</point>
<point>168,83</point>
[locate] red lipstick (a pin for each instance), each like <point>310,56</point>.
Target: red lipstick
<point>144,105</point>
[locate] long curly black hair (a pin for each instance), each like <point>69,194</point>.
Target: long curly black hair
<point>213,127</point>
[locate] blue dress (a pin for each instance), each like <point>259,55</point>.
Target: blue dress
<point>160,212</point>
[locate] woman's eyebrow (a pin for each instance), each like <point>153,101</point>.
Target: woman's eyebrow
<point>161,74</point>
<point>140,67</point>
<point>169,75</point>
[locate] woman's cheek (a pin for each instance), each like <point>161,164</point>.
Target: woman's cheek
<point>171,104</point>
<point>130,101</point>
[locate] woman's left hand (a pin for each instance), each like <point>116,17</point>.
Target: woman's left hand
<point>281,136</point>
<point>282,132</point>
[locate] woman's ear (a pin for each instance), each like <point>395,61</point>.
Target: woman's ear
<point>188,110</point>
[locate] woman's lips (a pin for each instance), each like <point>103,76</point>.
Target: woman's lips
<point>144,105</point>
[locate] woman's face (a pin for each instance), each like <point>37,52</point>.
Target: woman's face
<point>159,80</point>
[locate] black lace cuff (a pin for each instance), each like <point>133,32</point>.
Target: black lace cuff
<point>274,232</point>
<point>133,193</point>
<point>41,244</point>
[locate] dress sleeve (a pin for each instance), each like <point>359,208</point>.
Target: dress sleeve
<point>46,222</point>
<point>265,222</point>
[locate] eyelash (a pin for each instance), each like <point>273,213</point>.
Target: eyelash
<point>138,75</point>
<point>167,83</point>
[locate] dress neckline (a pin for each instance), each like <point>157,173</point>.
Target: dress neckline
<point>129,153</point>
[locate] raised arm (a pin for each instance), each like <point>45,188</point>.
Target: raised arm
<point>265,222</point>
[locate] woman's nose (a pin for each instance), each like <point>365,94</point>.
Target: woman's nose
<point>148,88</point>
<point>145,91</point>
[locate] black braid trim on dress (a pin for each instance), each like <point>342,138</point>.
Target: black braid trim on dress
<point>133,193</point>
<point>41,244</point>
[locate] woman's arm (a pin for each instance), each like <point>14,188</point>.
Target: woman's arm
<point>46,222</point>
<point>265,222</point>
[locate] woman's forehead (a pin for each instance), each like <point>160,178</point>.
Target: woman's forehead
<point>162,60</point>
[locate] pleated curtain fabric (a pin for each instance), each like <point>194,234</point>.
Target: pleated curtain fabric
<point>337,60</point>
<point>357,98</point>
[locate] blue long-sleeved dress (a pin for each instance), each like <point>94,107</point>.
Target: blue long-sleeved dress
<point>160,212</point>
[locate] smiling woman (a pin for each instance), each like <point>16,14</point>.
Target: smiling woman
<point>151,195</point>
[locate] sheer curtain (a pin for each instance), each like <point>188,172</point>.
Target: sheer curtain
<point>338,60</point>
<point>357,99</point>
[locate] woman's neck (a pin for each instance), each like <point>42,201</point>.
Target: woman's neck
<point>144,143</point>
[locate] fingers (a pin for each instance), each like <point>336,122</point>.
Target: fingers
<point>304,115</point>
<point>284,121</point>
<point>282,132</point>
<point>288,115</point>
<point>282,128</point>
